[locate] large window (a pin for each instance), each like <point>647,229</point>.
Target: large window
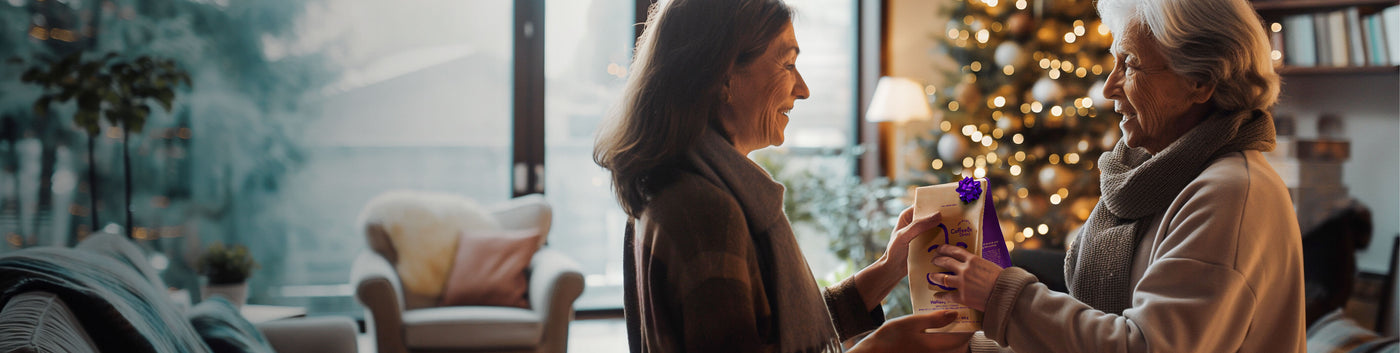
<point>822,128</point>
<point>302,111</point>
<point>588,46</point>
<point>420,103</point>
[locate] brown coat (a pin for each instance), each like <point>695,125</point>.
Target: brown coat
<point>694,281</point>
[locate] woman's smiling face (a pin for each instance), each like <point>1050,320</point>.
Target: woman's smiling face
<point>762,92</point>
<point>1158,105</point>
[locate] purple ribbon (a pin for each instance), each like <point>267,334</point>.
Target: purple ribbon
<point>969,190</point>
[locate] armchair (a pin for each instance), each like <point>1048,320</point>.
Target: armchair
<point>399,326</point>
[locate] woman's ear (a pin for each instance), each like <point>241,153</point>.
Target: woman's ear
<point>725,95</point>
<point>1202,92</point>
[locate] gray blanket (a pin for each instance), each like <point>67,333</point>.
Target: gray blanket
<point>120,308</point>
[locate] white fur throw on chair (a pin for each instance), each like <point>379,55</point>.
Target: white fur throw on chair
<point>424,228</point>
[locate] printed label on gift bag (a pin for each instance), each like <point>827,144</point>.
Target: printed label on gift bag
<point>969,222</point>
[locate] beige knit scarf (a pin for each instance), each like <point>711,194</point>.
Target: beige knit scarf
<point>1136,186</point>
<point>803,322</point>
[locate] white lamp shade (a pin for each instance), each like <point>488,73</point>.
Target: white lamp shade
<point>898,99</point>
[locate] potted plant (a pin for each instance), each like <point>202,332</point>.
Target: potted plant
<point>226,270</point>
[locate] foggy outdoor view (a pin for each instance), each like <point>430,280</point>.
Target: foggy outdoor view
<point>299,112</point>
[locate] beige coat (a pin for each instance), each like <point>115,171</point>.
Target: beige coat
<point>1221,270</point>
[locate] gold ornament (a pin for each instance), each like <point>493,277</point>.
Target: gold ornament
<point>1072,8</point>
<point>969,95</point>
<point>1034,206</point>
<point>1053,177</point>
<point>1020,24</point>
<point>1083,206</point>
<point>1095,38</point>
<point>1051,34</point>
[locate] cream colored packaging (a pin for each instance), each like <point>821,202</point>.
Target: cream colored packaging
<point>963,227</point>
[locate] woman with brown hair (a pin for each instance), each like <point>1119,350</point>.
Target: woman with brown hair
<point>711,261</point>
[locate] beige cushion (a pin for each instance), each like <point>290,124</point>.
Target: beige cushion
<point>426,225</point>
<point>471,327</point>
<point>489,268</point>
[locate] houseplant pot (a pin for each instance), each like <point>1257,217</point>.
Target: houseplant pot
<point>226,270</point>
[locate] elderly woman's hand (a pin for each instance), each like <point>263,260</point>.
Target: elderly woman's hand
<point>972,275</point>
<point>906,334</point>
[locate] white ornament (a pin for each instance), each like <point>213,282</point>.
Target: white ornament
<point>1047,91</point>
<point>1007,53</point>
<point>1100,102</point>
<point>952,148</point>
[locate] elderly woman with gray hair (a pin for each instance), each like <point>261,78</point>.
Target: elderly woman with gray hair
<point>1194,246</point>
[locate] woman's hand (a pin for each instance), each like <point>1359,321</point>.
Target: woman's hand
<point>897,252</point>
<point>876,282</point>
<point>972,275</point>
<point>906,334</point>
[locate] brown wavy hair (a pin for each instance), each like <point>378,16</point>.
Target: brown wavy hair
<point>677,87</point>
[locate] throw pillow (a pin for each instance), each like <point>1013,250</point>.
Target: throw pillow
<point>225,330</point>
<point>490,268</point>
<point>422,229</point>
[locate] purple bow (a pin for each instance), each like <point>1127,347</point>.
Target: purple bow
<point>969,190</point>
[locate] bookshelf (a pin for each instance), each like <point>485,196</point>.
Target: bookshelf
<point>1339,71</point>
<point>1281,7</point>
<point>1279,11</point>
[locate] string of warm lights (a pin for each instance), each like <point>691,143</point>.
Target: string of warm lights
<point>1023,111</point>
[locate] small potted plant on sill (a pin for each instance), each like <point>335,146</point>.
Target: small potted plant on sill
<point>226,270</point>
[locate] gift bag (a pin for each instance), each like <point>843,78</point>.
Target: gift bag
<point>969,222</point>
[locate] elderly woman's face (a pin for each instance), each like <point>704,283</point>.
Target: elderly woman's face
<point>1158,105</point>
<point>762,92</point>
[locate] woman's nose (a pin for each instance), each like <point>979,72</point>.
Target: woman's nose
<point>1113,86</point>
<point>800,90</point>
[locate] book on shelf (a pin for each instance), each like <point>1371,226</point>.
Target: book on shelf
<point>1300,45</point>
<point>1390,23</point>
<point>1323,37</point>
<point>1355,41</point>
<point>1375,40</point>
<point>1350,37</point>
<point>1337,38</point>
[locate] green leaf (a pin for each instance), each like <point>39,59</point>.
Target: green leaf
<point>68,62</point>
<point>89,100</point>
<point>139,113</point>
<point>67,93</point>
<point>41,105</point>
<point>34,75</point>
<point>87,120</point>
<point>110,96</point>
<point>89,68</point>
<point>166,97</point>
<point>116,116</point>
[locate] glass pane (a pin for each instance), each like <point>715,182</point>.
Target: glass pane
<point>299,112</point>
<point>588,46</point>
<point>826,32</point>
<point>821,132</point>
<point>421,102</point>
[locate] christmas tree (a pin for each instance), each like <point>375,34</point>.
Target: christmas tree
<point>1025,111</point>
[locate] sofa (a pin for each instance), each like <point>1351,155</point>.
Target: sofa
<point>102,295</point>
<point>401,322</point>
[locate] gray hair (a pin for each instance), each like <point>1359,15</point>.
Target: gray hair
<point>1220,42</point>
